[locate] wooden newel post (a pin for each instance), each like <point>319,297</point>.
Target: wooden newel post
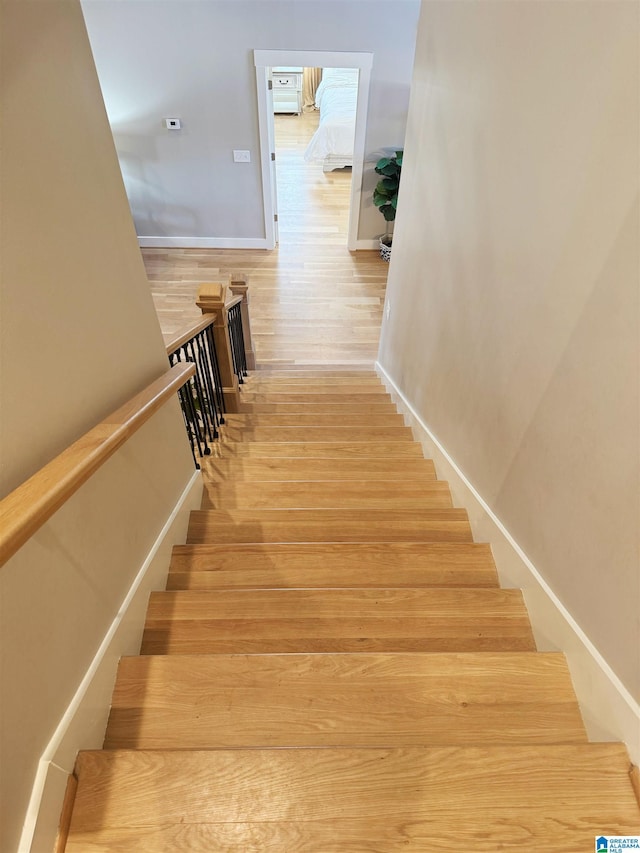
<point>211,300</point>
<point>239,287</point>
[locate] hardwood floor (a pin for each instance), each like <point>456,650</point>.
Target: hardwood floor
<point>312,301</point>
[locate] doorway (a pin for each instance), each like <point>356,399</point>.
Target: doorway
<point>264,60</point>
<point>313,195</point>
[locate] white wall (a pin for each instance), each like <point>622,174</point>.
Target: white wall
<point>79,336</point>
<point>514,286</point>
<point>194,60</point>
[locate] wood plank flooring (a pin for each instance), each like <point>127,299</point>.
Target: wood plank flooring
<point>312,301</point>
<point>333,667</point>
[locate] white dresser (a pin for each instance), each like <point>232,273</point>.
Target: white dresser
<point>287,89</point>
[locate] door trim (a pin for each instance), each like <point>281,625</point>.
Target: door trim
<point>265,59</point>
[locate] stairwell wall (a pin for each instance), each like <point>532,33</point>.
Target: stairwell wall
<point>79,337</point>
<point>513,294</point>
<point>194,60</point>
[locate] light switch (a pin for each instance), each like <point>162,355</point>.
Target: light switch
<point>242,156</point>
<point>172,123</point>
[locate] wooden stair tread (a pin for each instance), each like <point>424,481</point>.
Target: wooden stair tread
<point>354,395</point>
<point>211,701</point>
<point>321,603</point>
<point>361,494</point>
<point>317,373</point>
<point>327,516</point>
<point>346,406</point>
<point>246,469</point>
<point>331,449</point>
<point>337,432</point>
<point>484,798</point>
<point>336,620</point>
<point>332,564</point>
<point>318,419</point>
<point>314,383</point>
<point>328,525</point>
<point>317,387</point>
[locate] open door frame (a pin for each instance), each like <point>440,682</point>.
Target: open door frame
<point>263,61</point>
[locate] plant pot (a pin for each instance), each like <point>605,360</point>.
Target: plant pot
<point>385,248</point>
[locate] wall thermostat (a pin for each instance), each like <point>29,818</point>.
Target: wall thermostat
<point>172,123</point>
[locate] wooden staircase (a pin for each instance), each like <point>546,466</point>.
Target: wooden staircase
<point>333,666</point>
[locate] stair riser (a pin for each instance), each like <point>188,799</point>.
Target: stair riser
<point>319,373</point>
<point>322,620</point>
<point>320,419</point>
<point>162,638</point>
<point>357,384</point>
<point>302,470</point>
<point>356,495</point>
<point>329,525</point>
<point>329,449</point>
<point>362,577</point>
<point>363,398</point>
<point>337,432</point>
<point>359,409</point>
<point>201,531</point>
<point>309,565</point>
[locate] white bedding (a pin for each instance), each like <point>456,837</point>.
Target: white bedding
<point>336,99</point>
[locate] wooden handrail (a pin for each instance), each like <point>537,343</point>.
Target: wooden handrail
<point>183,337</point>
<point>29,506</point>
<point>233,301</point>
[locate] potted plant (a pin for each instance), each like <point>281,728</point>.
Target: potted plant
<point>385,197</point>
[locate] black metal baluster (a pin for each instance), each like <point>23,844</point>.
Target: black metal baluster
<point>189,409</point>
<point>202,421</point>
<point>242,352</point>
<point>186,402</point>
<point>202,398</point>
<point>209,397</point>
<point>215,371</point>
<point>234,341</point>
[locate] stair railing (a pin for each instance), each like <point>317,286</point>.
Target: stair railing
<point>238,287</point>
<point>236,339</point>
<point>228,303</point>
<point>201,399</point>
<point>24,511</point>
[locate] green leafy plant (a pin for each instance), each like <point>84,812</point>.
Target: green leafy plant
<point>385,195</point>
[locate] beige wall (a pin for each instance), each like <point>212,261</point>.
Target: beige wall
<point>79,336</point>
<point>514,285</point>
<point>194,60</point>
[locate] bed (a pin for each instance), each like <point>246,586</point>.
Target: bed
<point>336,98</point>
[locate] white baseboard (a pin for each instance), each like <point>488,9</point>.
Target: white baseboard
<point>203,243</point>
<point>226,243</point>
<point>609,711</point>
<point>83,724</point>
